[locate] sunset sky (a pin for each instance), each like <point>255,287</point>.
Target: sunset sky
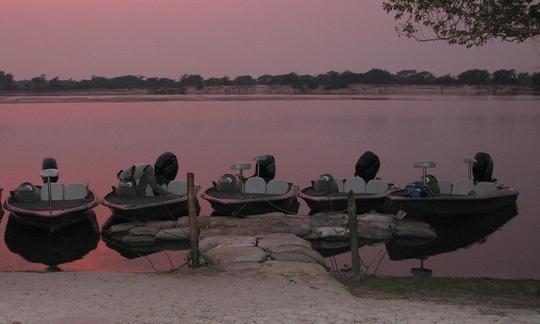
<point>77,39</point>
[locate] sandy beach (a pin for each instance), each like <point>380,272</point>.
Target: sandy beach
<point>214,295</point>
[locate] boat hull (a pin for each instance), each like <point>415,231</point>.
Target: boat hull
<point>152,209</point>
<point>62,214</point>
<point>252,204</point>
<point>337,202</point>
<point>433,209</point>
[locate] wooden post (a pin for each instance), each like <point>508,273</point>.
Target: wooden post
<point>353,232</point>
<point>193,228</point>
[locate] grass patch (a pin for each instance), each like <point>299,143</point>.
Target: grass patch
<point>461,291</point>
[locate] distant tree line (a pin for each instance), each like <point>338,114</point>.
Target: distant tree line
<point>328,81</point>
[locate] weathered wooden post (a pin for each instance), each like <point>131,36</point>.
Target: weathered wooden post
<point>353,232</point>
<point>193,228</point>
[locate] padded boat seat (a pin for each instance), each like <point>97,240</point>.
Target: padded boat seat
<point>57,192</point>
<point>483,188</point>
<point>277,187</point>
<point>376,186</point>
<point>462,187</point>
<point>339,181</point>
<point>445,187</point>
<point>177,187</point>
<point>255,185</point>
<point>356,184</point>
<point>74,191</point>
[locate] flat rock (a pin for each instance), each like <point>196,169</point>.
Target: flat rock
<point>161,224</point>
<point>211,242</point>
<point>144,231</point>
<point>138,240</point>
<point>292,269</point>
<point>272,241</point>
<point>178,233</point>
<point>294,249</point>
<point>223,255</point>
<point>338,232</point>
<point>290,257</point>
<point>123,228</point>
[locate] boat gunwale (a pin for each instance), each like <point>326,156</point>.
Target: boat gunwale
<point>502,192</point>
<point>51,213</point>
<point>357,196</point>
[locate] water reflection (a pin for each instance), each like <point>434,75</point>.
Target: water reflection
<point>454,234</point>
<point>143,245</point>
<point>62,246</point>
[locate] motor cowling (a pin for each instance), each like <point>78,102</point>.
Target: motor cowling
<point>367,166</point>
<point>228,183</point>
<point>483,167</point>
<point>49,163</point>
<point>265,167</point>
<point>166,168</point>
<point>325,184</point>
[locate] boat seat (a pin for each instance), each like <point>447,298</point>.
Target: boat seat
<point>376,186</point>
<point>74,191</point>
<point>356,184</point>
<point>277,187</point>
<point>339,182</point>
<point>57,192</point>
<point>483,188</point>
<point>445,187</point>
<point>462,187</point>
<point>177,187</point>
<point>255,185</point>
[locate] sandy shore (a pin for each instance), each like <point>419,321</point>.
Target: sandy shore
<point>216,296</point>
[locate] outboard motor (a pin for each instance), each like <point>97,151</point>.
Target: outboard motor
<point>228,183</point>
<point>367,166</point>
<point>325,184</point>
<point>49,163</point>
<point>265,167</point>
<point>166,168</point>
<point>483,167</point>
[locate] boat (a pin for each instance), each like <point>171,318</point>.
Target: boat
<point>235,195</point>
<point>53,205</point>
<point>431,200</point>
<point>329,194</point>
<point>149,206</point>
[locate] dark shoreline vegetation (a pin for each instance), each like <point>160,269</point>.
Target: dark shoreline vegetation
<point>328,82</point>
<point>507,293</point>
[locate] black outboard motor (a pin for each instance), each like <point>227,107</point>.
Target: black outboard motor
<point>228,183</point>
<point>483,167</point>
<point>367,166</point>
<point>265,167</point>
<point>166,168</point>
<point>49,163</point>
<point>325,184</point>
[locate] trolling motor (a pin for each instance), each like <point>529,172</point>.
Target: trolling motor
<point>49,174</point>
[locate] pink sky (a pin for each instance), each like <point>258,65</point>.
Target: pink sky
<point>80,38</point>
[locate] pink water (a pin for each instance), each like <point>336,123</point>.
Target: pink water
<point>92,141</point>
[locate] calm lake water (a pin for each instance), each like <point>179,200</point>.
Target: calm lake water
<point>92,141</point>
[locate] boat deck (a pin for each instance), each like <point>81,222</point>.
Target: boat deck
<point>239,196</point>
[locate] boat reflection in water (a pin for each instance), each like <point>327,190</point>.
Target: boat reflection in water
<point>52,248</point>
<point>134,246</point>
<point>454,234</point>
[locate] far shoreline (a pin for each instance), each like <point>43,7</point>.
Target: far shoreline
<point>257,93</point>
